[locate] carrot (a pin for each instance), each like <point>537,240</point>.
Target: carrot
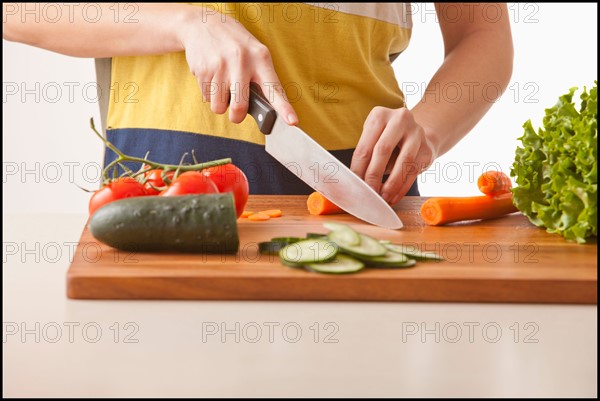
<point>318,204</point>
<point>258,217</point>
<point>494,183</point>
<point>272,213</point>
<point>437,211</point>
<point>246,214</point>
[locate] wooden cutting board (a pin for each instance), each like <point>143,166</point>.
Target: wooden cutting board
<point>501,260</point>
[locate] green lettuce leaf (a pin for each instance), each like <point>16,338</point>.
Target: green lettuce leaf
<point>556,168</point>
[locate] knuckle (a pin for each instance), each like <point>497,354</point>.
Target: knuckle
<point>262,53</point>
<point>372,121</point>
<point>403,114</point>
<point>372,177</point>
<point>237,107</point>
<point>362,153</point>
<point>379,110</point>
<point>393,183</point>
<point>376,117</point>
<point>384,148</point>
<point>199,71</point>
<point>409,158</point>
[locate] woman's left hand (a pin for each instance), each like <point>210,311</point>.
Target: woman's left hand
<point>393,143</point>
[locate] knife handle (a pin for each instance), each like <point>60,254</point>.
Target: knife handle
<point>260,109</point>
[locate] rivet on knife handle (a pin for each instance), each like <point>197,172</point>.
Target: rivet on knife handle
<point>260,109</point>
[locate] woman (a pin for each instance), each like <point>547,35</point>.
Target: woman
<point>177,68</point>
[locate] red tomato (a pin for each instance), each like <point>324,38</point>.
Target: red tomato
<point>124,187</point>
<point>154,178</point>
<point>190,182</point>
<point>229,178</point>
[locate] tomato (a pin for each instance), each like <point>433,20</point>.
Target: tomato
<point>154,178</point>
<point>124,187</point>
<point>229,178</point>
<point>190,182</point>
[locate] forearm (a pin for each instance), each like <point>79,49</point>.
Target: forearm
<point>105,30</point>
<point>471,78</point>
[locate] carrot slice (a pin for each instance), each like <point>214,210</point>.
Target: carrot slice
<point>272,212</point>
<point>437,211</point>
<point>318,204</point>
<point>258,217</point>
<point>246,214</point>
<point>494,183</point>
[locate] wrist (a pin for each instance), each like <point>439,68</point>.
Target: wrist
<point>188,23</point>
<point>431,135</point>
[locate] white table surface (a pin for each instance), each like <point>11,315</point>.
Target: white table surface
<point>52,346</point>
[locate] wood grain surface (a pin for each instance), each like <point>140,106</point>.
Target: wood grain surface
<point>502,260</point>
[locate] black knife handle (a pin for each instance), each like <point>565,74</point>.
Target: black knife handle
<point>260,109</point>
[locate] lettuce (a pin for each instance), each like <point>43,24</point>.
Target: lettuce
<point>556,169</point>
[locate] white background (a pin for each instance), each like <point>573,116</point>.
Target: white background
<point>47,144</point>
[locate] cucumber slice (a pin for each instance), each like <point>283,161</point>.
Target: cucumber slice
<point>340,265</point>
<point>390,259</point>
<point>293,265</point>
<point>289,240</point>
<point>271,247</point>
<point>413,252</point>
<point>368,247</point>
<point>344,233</point>
<point>315,235</point>
<point>385,241</point>
<point>309,251</point>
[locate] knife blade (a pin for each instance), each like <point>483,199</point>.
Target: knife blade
<point>318,168</point>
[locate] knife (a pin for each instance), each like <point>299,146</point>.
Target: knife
<point>318,168</point>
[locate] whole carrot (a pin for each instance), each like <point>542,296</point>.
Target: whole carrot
<point>318,204</point>
<point>438,211</point>
<point>494,183</point>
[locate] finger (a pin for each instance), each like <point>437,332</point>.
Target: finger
<point>405,169</point>
<point>206,87</point>
<point>381,155</point>
<point>238,103</point>
<point>372,129</point>
<point>273,91</point>
<point>267,78</point>
<point>219,99</point>
<point>421,163</point>
<point>392,161</point>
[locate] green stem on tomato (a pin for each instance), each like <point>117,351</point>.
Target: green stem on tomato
<point>121,157</point>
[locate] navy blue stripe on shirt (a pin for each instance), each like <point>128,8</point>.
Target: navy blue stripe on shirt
<point>266,176</point>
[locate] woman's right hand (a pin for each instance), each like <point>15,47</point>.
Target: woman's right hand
<point>224,57</point>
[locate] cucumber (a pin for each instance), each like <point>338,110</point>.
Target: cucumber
<point>368,246</point>
<point>277,244</point>
<point>308,251</point>
<point>390,259</point>
<point>287,240</point>
<point>290,264</point>
<point>188,223</point>
<point>413,252</point>
<point>341,264</point>
<point>343,233</point>
<point>315,235</point>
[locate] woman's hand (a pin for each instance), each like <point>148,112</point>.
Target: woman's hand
<point>392,142</point>
<point>224,57</point>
